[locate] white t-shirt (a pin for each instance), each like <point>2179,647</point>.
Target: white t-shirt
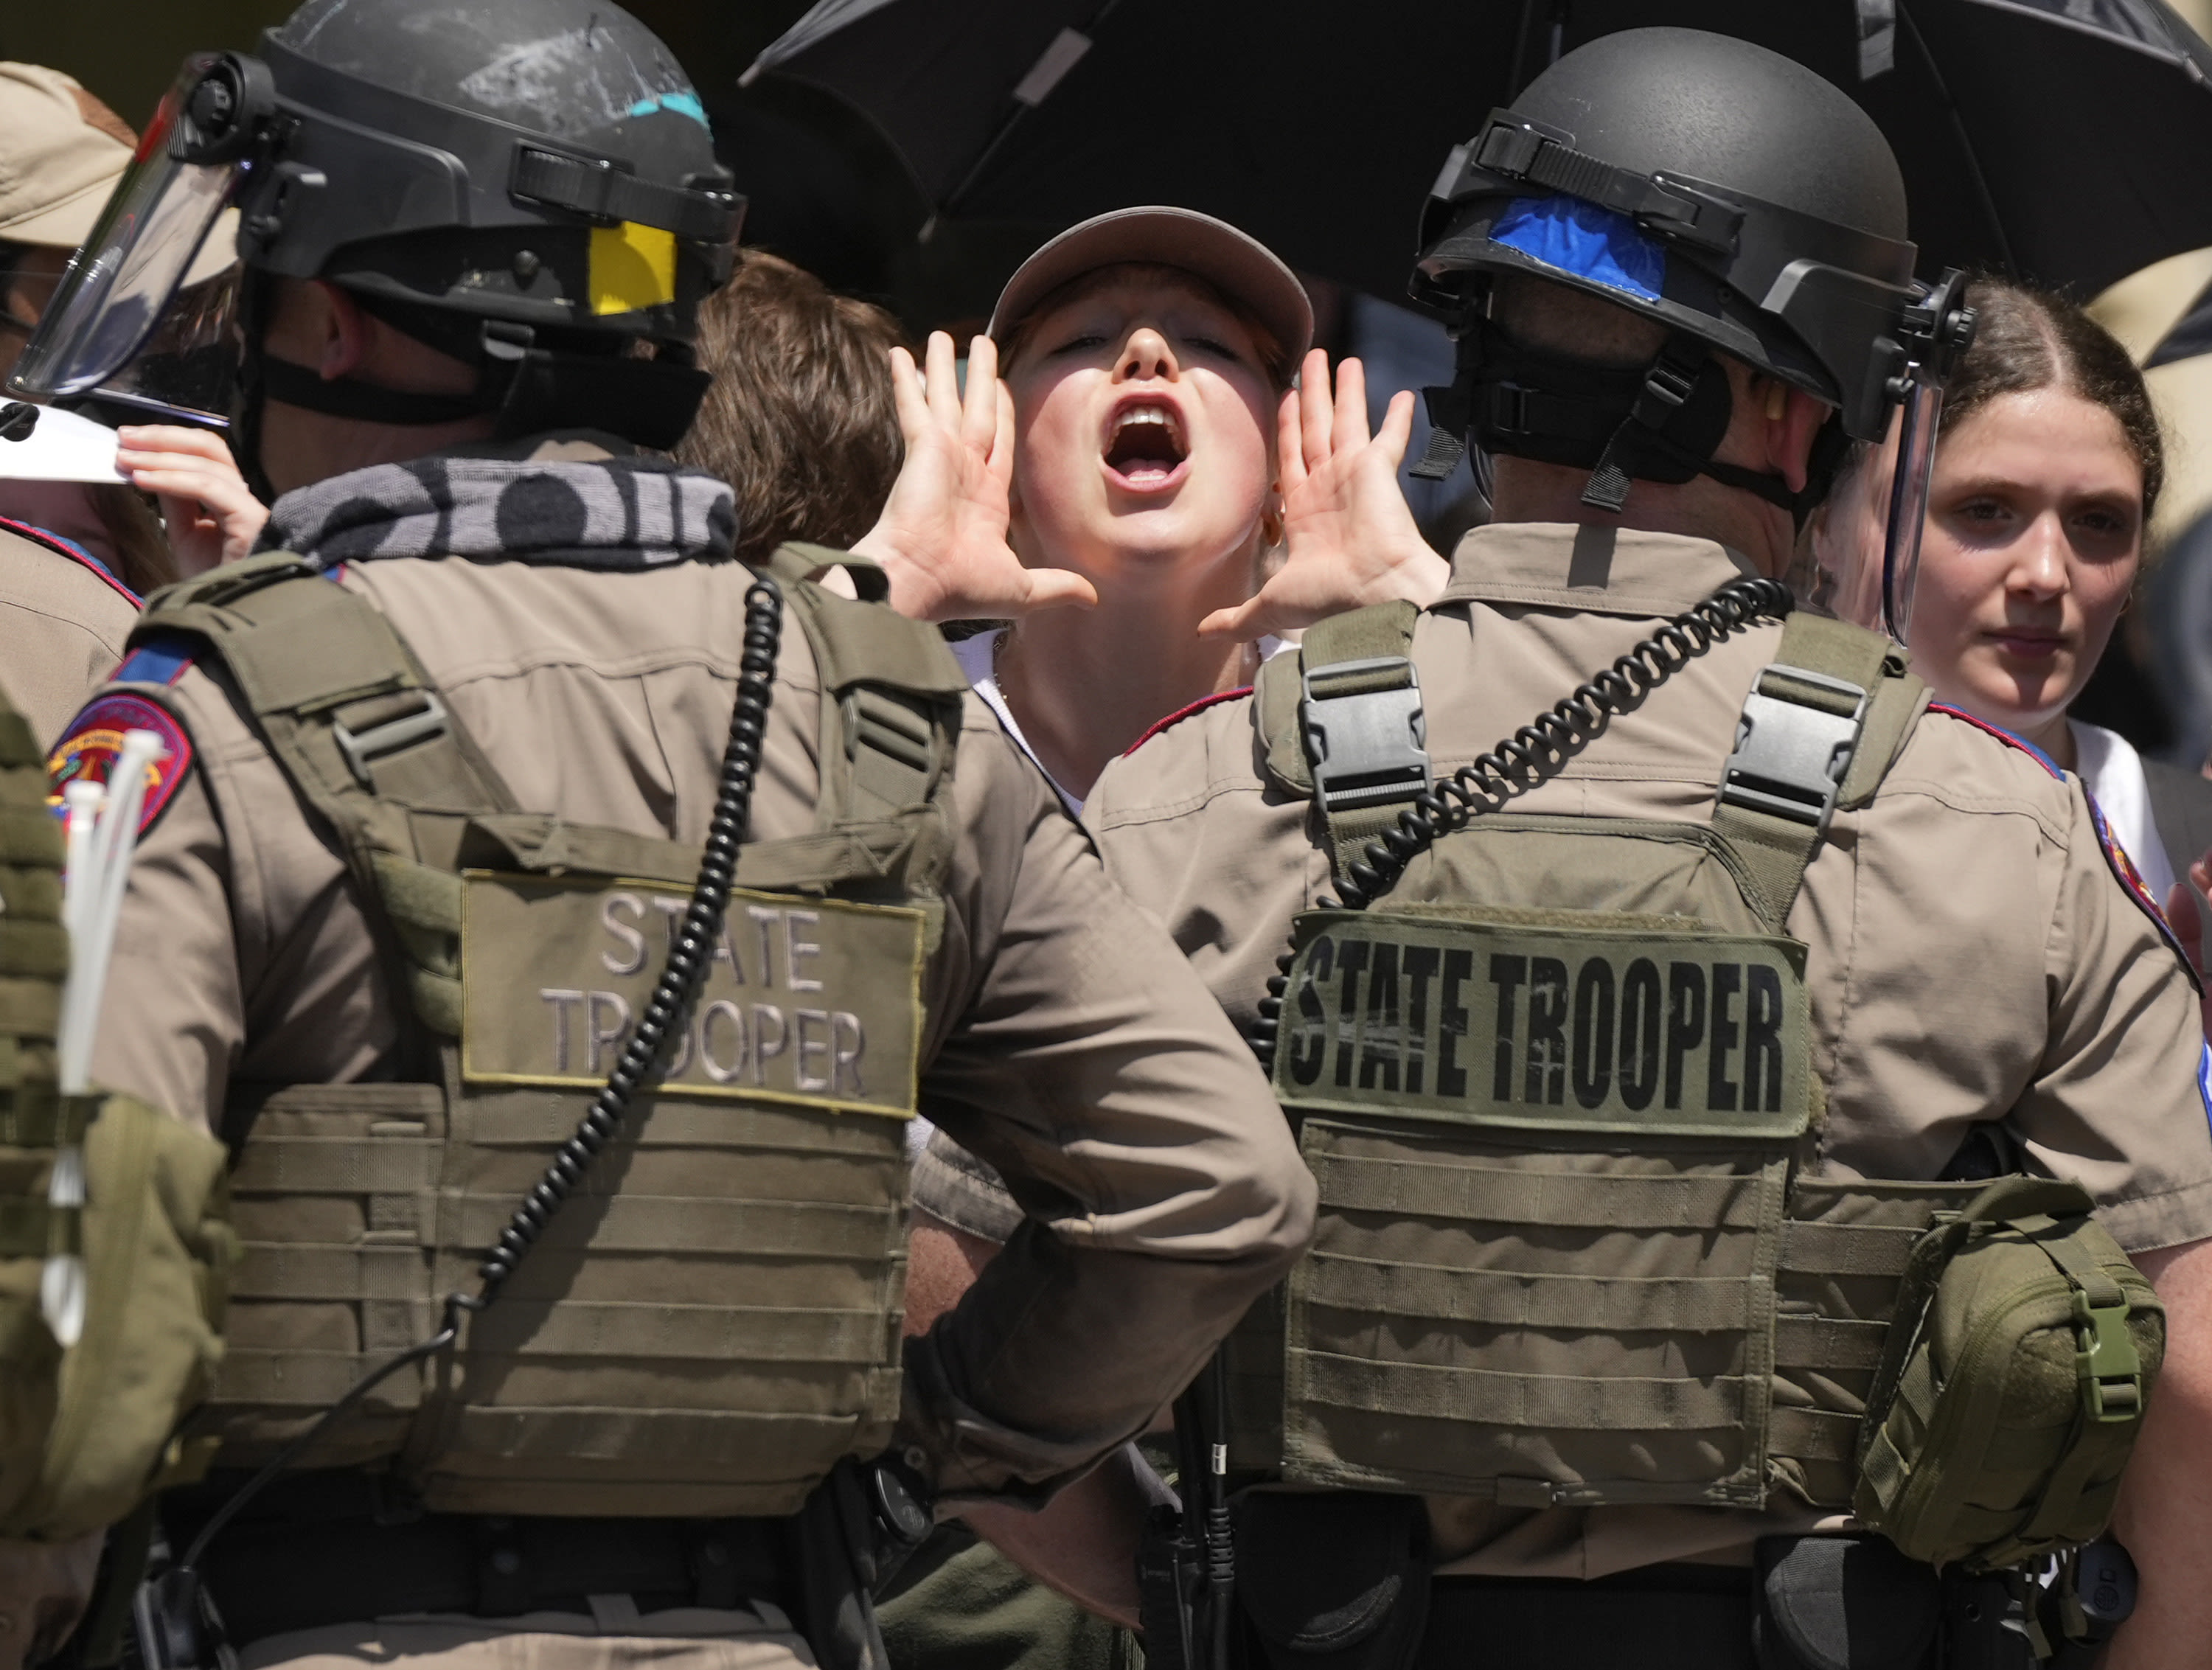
<point>978,657</point>
<point>2112,772</point>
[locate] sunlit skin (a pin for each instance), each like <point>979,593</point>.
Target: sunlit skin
<point>1181,501</point>
<point>1165,518</point>
<point>2032,540</point>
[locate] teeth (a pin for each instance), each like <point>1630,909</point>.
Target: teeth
<point>1158,415</point>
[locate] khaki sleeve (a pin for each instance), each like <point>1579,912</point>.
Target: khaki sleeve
<point>241,952</point>
<point>1083,1060</point>
<point>2119,1100</point>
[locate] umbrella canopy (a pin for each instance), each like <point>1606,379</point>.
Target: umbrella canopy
<point>2067,141</point>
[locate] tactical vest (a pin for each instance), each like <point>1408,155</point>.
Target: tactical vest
<point>1558,1090</point>
<point>712,1320</point>
<point>86,1432</point>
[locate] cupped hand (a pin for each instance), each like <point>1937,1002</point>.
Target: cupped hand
<point>942,536</point>
<point>210,515</point>
<point>1350,535</point>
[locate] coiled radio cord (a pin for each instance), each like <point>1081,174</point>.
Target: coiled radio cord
<point>177,1603</point>
<point>1532,755</point>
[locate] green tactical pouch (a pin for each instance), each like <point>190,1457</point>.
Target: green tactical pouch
<point>158,1251</point>
<point>2013,1382</point>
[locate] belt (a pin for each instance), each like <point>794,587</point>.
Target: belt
<point>1669,1618</point>
<point>334,1547</point>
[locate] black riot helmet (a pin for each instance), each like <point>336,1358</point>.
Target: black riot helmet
<point>1719,189</point>
<point>527,185</point>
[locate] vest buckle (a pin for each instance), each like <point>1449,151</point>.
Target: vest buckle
<point>362,748</point>
<point>1366,738</point>
<point>1794,744</point>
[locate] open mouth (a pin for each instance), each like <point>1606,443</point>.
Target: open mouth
<point>1144,443</point>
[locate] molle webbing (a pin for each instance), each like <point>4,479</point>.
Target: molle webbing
<point>1841,1251</point>
<point>718,1323</point>
<point>34,1120</point>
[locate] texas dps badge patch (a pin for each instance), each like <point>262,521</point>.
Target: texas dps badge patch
<point>809,1000</point>
<point>86,751</point>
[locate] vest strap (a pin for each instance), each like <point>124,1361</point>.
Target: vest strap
<point>1805,726</point>
<point>359,729</point>
<point>1364,740</point>
<point>892,692</point>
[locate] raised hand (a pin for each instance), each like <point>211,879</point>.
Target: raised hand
<point>1352,537</point>
<point>942,536</point>
<point>210,515</point>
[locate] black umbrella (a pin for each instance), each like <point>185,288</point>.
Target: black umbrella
<point>2069,141</point>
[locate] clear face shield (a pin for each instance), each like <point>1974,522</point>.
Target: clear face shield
<point>145,314</point>
<point>1864,543</point>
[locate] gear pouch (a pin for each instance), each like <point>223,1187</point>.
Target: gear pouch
<point>157,1247</point>
<point>2013,1384</point>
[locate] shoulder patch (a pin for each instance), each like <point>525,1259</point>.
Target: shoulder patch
<point>1182,713</point>
<point>2204,1081</point>
<point>87,749</point>
<point>2131,883</point>
<point>2003,736</point>
<point>75,553</point>
<point>161,660</point>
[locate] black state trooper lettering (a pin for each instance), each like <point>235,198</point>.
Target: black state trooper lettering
<point>1459,1019</point>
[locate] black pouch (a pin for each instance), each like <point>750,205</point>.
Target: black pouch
<point>1844,1603</point>
<point>1338,1581</point>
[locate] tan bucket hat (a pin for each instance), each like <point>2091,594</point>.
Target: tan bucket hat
<point>60,153</point>
<point>1233,262</point>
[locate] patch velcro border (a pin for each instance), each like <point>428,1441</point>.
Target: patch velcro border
<point>1534,1028</point>
<point>643,959</point>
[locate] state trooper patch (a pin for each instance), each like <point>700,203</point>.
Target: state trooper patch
<point>2131,882</point>
<point>87,749</point>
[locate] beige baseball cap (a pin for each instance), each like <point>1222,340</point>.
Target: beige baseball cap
<point>60,153</point>
<point>1234,263</point>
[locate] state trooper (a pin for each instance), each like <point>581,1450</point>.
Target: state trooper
<point>569,1162</point>
<point>1641,1056</point>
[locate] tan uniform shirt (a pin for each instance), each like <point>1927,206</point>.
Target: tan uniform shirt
<point>62,631</point>
<point>1971,952</point>
<point>1064,1038</point>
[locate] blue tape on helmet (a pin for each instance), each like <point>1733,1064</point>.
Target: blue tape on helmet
<point>1594,243</point>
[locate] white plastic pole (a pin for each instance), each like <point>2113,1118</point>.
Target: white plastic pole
<point>100,850</point>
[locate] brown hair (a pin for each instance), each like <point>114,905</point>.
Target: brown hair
<point>2026,339</point>
<point>1279,368</point>
<point>143,561</point>
<point>801,420</point>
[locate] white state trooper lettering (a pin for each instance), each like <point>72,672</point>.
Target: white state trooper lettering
<point>799,1000</point>
<point>628,932</point>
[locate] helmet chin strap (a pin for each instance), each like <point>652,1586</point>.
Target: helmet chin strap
<point>530,389</point>
<point>1657,423</point>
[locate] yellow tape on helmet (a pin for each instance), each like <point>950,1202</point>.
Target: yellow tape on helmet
<point>632,267</point>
